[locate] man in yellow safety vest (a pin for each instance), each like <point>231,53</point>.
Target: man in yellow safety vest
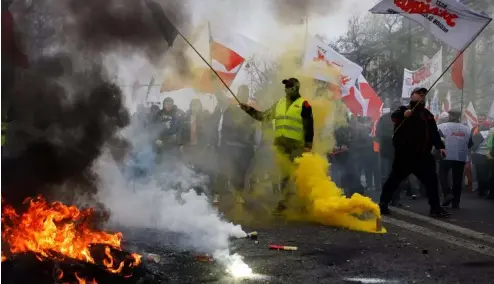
<point>293,125</point>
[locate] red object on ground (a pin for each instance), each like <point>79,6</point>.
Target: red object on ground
<point>280,247</point>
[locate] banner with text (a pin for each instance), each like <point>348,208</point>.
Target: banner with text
<point>449,20</point>
<point>425,76</point>
<point>323,63</point>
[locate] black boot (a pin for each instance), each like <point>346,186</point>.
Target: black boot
<point>439,213</point>
<point>384,209</point>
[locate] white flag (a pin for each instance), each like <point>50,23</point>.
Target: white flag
<point>449,20</point>
<point>423,77</point>
<point>323,63</point>
<point>471,116</point>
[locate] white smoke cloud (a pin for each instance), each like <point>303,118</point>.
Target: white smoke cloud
<point>136,205</point>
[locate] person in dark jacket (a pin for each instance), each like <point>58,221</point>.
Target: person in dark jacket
<point>344,170</point>
<point>168,121</point>
<point>234,142</point>
<point>479,154</point>
<point>415,132</point>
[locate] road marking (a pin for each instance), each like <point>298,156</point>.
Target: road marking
<point>483,249</point>
<point>448,226</point>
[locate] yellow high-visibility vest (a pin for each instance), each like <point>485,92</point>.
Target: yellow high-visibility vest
<point>288,122</point>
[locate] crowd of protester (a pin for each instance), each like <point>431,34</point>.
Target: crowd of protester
<point>222,145</point>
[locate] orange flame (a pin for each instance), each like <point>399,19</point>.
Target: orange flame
<point>83,281</point>
<point>54,230</point>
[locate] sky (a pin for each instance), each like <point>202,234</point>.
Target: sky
<point>252,19</point>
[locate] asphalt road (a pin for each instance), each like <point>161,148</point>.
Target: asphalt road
<point>413,251</point>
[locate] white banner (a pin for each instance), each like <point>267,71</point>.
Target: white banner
<point>449,20</point>
<point>323,63</point>
<point>425,76</point>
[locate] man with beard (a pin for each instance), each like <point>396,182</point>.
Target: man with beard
<point>415,133</point>
<point>294,128</point>
<point>168,121</point>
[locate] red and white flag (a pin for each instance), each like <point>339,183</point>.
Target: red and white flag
<point>375,104</point>
<point>355,102</point>
<point>449,20</point>
<point>446,106</point>
<point>228,51</point>
<point>471,116</point>
<point>323,63</point>
<point>457,72</point>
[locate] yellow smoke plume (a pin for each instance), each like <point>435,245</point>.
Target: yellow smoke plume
<point>323,202</point>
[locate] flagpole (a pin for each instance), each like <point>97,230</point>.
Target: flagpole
<point>154,8</point>
<point>446,70</point>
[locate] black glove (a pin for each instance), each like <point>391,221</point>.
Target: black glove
<point>245,107</point>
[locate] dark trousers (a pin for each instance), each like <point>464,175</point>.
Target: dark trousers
<point>457,168</point>
<point>234,161</point>
<point>424,168</point>
<point>482,172</point>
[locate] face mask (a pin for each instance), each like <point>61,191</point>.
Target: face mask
<point>291,91</point>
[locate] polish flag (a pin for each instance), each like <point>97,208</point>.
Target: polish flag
<point>227,53</point>
<point>446,106</point>
<point>375,104</point>
<point>471,116</point>
<point>355,102</point>
<point>457,72</point>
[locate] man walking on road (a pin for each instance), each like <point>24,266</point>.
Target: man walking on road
<point>415,133</point>
<point>458,141</point>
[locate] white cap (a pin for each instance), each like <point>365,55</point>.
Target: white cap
<point>444,115</point>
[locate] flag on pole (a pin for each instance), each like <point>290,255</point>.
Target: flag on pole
<point>167,29</point>
<point>435,104</point>
<point>355,102</point>
<point>471,116</point>
<point>446,105</point>
<point>449,20</point>
<point>457,72</point>
<point>323,63</point>
<point>227,52</point>
<point>375,103</point>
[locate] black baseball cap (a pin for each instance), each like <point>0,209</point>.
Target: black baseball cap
<point>168,100</point>
<point>289,83</point>
<point>419,90</point>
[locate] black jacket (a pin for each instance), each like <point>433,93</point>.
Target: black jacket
<point>384,135</point>
<point>169,124</point>
<point>414,136</point>
<point>202,128</point>
<point>237,127</point>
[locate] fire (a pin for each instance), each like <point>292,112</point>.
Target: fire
<point>56,231</point>
<point>81,280</point>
